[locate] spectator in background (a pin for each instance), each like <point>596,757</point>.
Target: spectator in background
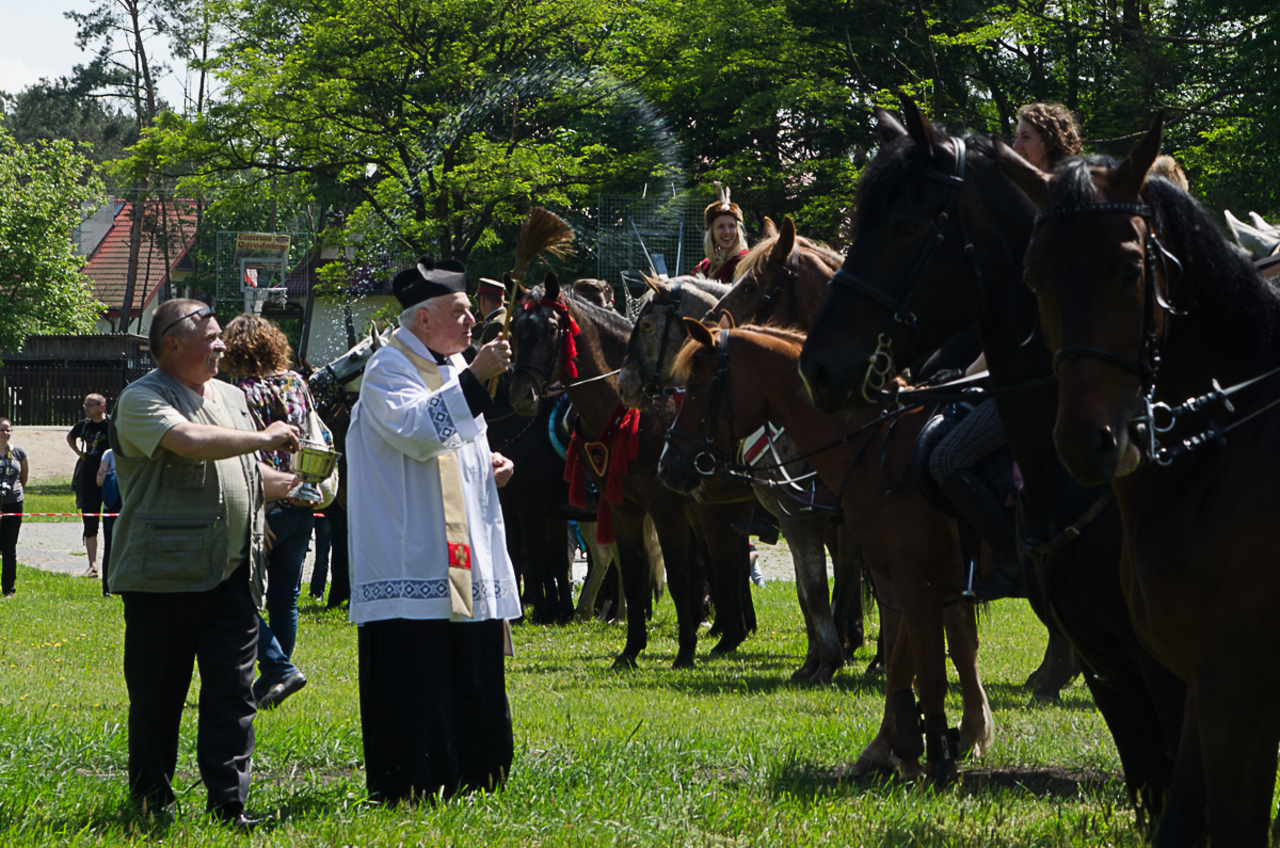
<point>725,239</point>
<point>1166,166</point>
<point>13,476</point>
<point>89,440</point>
<point>324,543</point>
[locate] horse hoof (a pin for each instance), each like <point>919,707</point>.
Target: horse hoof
<point>944,774</point>
<point>868,766</point>
<point>728,644</point>
<point>911,770</point>
<point>875,668</point>
<point>683,662</point>
<point>624,663</point>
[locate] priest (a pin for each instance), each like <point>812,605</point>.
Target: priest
<point>432,586</point>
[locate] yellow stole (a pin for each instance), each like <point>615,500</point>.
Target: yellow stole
<point>455,508</point>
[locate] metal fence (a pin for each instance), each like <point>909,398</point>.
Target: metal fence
<point>53,395</point>
<point>669,228</point>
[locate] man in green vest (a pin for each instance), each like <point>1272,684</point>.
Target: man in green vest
<point>187,560</point>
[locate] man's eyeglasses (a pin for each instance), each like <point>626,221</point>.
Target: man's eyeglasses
<point>200,314</point>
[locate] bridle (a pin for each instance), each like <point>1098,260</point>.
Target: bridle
<point>705,462</point>
<point>784,281</point>
<point>1147,366</point>
<point>566,328</point>
<point>880,365</point>
<point>649,384</point>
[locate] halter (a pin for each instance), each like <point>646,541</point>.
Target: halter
<point>705,462</point>
<point>880,365</point>
<point>650,386</point>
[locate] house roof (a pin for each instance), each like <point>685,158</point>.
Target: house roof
<point>108,266</point>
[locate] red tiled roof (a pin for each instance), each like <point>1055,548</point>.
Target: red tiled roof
<point>108,266</point>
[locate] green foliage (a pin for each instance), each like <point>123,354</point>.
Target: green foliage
<point>43,188</point>
<point>725,754</point>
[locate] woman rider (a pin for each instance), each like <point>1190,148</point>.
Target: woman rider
<point>1047,134</point>
<point>725,240</point>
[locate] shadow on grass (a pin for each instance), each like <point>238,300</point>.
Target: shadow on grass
<point>811,780</point>
<point>1007,696</point>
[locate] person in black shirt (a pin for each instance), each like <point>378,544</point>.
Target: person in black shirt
<point>89,440</point>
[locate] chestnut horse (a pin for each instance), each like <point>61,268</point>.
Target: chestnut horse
<point>738,379</point>
<point>540,335</point>
<point>1146,306</point>
<point>915,180</point>
<point>657,337</point>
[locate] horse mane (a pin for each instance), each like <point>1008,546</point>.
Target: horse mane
<point>682,365</point>
<point>759,254</point>
<point>609,318</point>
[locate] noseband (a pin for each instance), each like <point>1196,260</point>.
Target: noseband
<point>705,462</point>
<point>880,365</point>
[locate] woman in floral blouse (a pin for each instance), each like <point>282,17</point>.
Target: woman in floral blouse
<point>259,356</point>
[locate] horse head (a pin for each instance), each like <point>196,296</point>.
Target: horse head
<point>541,331</point>
<point>915,213</point>
<point>658,335</point>
<point>1092,264</point>
<point>712,418</point>
<point>345,372</point>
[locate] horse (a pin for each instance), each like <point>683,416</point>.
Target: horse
<point>559,336</point>
<point>658,335</point>
<point>738,379</point>
<point>925,192</point>
<point>1145,306</point>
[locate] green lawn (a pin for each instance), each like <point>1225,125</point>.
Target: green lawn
<point>726,754</point>
<point>50,495</point>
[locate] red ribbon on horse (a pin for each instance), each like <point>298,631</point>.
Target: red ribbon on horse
<point>610,456</point>
<point>570,334</point>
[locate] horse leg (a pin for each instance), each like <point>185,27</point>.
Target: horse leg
<point>653,549</point>
<point>1058,668</point>
<point>922,614</point>
<point>878,754</point>
<point>724,547</point>
<point>977,727</point>
<point>847,597</point>
<point>677,539</point>
<point>825,655</point>
<point>602,558</point>
<point>559,592</point>
<point>1236,718</point>
<point>1182,824</point>
<point>627,524</point>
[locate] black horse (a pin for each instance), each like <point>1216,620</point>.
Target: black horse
<point>940,239</point>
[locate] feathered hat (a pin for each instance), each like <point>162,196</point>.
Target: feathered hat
<point>722,206</point>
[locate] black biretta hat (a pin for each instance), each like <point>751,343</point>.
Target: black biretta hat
<point>429,278</point>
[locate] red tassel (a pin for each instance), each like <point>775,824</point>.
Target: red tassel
<point>604,524</point>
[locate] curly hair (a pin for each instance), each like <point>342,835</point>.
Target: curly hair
<point>1057,127</point>
<point>255,347</point>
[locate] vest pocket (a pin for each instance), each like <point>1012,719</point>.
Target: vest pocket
<point>183,473</point>
<point>179,548</point>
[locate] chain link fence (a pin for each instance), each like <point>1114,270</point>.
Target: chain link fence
<point>669,229</point>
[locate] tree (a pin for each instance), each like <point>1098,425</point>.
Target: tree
<point>43,188</point>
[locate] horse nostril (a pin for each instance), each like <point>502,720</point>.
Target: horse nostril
<point>1106,440</point>
<point>818,375</point>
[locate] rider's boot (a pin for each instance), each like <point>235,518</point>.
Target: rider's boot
<point>975,503</point>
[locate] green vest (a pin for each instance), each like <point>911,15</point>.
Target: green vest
<point>171,535</point>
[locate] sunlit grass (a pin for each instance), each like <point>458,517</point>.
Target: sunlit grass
<point>725,754</point>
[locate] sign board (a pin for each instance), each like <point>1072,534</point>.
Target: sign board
<point>262,242</point>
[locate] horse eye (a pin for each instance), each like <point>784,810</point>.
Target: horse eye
<point>749,288</point>
<point>1132,275</point>
<point>646,326</point>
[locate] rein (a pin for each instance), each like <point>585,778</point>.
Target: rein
<point>650,386</point>
<point>880,365</point>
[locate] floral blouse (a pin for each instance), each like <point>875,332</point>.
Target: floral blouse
<point>279,397</point>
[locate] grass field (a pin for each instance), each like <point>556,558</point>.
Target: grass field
<point>726,754</point>
<point>51,495</point>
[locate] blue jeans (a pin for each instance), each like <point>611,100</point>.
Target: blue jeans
<point>292,527</point>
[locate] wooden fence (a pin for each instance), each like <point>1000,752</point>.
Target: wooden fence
<point>53,395</point>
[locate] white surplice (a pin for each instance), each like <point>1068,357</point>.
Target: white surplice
<point>395,512</point>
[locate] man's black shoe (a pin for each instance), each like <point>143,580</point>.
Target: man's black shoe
<point>233,818</point>
<point>276,694</point>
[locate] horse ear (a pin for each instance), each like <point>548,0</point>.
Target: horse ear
<point>375,341</point>
<point>699,332</point>
<point>786,240</point>
<point>726,321</point>
<point>654,283</point>
<point>519,294</point>
<point>770,228</point>
<point>1033,181</point>
<point>551,286</point>
<point>890,129</point>
<point>918,127</point>
<point>1132,172</point>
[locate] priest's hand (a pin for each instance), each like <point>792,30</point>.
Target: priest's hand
<point>503,468</point>
<point>492,359</point>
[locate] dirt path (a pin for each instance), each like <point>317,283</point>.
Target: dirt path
<point>48,455</point>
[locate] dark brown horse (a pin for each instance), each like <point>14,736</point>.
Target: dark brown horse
<point>657,337</point>
<point>738,379</point>
<point>1146,305</point>
<point>890,306</point>
<point>540,335</point>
